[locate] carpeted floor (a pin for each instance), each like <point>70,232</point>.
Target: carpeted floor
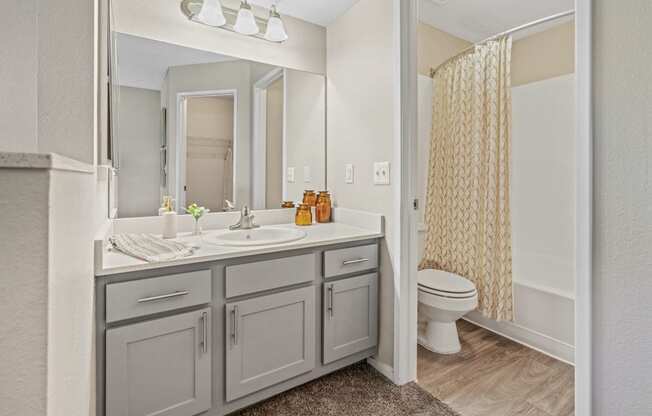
<point>358,390</point>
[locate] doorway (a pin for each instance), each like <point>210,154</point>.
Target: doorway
<point>208,132</point>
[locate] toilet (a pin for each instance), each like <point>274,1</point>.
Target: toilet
<point>443,299</point>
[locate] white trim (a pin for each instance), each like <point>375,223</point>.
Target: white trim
<point>382,368</point>
<point>525,336</point>
<point>284,155</point>
<point>584,206</point>
<point>182,146</point>
<point>259,137</point>
<point>405,220</point>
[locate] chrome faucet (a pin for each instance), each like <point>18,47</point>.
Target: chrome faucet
<point>246,221</point>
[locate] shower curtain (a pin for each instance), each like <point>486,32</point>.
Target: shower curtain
<point>468,229</point>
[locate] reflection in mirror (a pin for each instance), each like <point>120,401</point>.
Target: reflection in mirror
<point>212,129</point>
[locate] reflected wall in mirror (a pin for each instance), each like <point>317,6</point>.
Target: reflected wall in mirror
<point>212,129</point>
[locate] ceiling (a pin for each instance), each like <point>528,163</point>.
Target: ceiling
<point>143,63</point>
<point>475,20</point>
<point>320,12</point>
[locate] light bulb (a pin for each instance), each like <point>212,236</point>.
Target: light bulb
<point>275,27</point>
<point>245,23</point>
<point>210,14</point>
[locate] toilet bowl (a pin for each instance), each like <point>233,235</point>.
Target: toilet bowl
<point>443,299</point>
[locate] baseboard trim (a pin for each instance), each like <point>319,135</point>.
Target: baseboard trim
<point>382,368</point>
<point>531,339</point>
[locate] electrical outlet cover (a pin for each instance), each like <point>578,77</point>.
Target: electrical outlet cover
<point>290,175</point>
<point>307,177</point>
<point>381,173</point>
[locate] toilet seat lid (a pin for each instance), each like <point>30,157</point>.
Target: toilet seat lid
<point>445,282</point>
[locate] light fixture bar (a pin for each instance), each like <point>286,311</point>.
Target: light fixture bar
<point>191,7</point>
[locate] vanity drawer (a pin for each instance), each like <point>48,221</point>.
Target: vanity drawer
<point>159,294</point>
<point>350,260</point>
<point>243,279</point>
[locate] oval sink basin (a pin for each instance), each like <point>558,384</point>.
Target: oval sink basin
<point>259,236</point>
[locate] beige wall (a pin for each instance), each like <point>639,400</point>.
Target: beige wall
<point>434,47</point>
<point>622,288</point>
<point>306,131</point>
<point>544,55</point>
<point>162,20</point>
<point>536,57</point>
<point>360,117</point>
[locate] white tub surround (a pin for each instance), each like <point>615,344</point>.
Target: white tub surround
<point>349,225</point>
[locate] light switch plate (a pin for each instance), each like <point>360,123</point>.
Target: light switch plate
<point>348,173</point>
<point>307,178</point>
<point>290,175</point>
<point>381,173</point>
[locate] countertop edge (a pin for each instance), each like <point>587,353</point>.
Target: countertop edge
<point>231,255</point>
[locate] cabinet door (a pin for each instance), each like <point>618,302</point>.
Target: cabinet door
<point>350,316</point>
<point>269,339</point>
<point>160,367</point>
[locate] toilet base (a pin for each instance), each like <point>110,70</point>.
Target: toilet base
<point>440,337</point>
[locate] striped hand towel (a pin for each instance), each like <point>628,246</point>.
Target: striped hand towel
<point>150,248</point>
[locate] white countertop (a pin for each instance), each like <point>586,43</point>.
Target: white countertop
<point>19,160</point>
<point>114,262</point>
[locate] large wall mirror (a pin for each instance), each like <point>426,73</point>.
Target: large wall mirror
<point>211,129</point>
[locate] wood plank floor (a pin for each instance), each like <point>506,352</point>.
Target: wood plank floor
<point>494,376</point>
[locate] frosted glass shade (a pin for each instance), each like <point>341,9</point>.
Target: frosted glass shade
<point>210,14</point>
<point>276,30</point>
<point>245,23</point>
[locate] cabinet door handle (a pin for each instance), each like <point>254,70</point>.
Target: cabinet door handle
<point>163,297</point>
<point>204,332</point>
<point>234,325</point>
<point>356,261</point>
<point>330,300</point>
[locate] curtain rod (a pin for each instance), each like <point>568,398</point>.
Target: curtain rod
<point>505,33</point>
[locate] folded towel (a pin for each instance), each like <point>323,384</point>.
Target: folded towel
<point>150,248</point>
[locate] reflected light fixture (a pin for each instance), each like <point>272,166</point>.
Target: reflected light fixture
<point>210,14</point>
<point>275,27</point>
<point>245,23</point>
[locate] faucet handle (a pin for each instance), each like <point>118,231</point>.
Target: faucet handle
<point>245,210</point>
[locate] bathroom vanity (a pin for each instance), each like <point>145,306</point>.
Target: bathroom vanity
<point>232,326</point>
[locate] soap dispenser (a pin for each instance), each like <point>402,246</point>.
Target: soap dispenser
<point>169,218</point>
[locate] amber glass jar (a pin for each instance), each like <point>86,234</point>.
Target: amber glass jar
<point>323,210</point>
<point>303,215</point>
<point>287,204</point>
<point>310,198</point>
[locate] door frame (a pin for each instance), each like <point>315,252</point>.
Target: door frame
<point>405,304</point>
<point>259,137</point>
<point>182,144</point>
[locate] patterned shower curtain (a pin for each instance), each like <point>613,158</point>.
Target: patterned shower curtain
<point>467,209</point>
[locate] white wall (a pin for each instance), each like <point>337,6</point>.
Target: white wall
<point>162,20</point>
<point>622,287</point>
<point>543,211</point>
<point>139,130</point>
<point>305,131</point>
<point>360,119</point>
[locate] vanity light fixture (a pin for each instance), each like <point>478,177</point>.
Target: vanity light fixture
<point>245,23</point>
<point>242,20</point>
<point>210,14</point>
<point>275,27</point>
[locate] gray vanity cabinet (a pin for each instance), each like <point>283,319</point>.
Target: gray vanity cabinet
<point>160,367</point>
<point>269,339</point>
<point>350,316</point>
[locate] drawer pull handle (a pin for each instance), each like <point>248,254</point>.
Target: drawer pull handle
<point>357,261</point>
<point>163,297</point>
<point>204,332</point>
